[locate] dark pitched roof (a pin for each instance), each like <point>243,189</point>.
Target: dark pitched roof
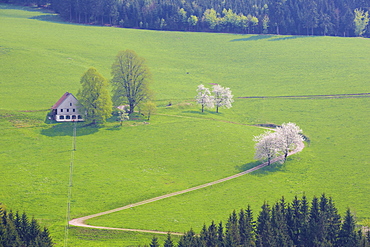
<point>60,101</point>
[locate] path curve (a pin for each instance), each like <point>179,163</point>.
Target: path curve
<point>81,221</point>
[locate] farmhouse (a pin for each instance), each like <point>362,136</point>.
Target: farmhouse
<point>65,110</point>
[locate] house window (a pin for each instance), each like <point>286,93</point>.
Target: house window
<point>74,110</point>
<point>79,117</point>
<point>68,117</point>
<point>70,104</point>
<point>61,110</point>
<point>67,110</point>
<point>73,116</point>
<point>61,117</point>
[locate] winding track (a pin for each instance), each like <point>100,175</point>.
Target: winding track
<point>81,221</point>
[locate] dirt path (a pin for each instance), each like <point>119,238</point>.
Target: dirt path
<point>81,221</point>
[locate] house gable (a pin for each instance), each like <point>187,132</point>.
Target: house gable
<point>66,109</point>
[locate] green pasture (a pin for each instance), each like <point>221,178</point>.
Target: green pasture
<point>41,58</point>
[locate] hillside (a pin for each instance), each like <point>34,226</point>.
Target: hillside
<point>180,148</point>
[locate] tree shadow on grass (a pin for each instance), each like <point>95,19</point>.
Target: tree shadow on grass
<point>116,127</point>
<point>290,37</point>
<point>267,170</point>
<point>253,38</point>
<point>195,112</point>
<point>277,166</point>
<point>248,166</point>
<point>270,37</point>
<point>66,129</point>
<point>205,113</point>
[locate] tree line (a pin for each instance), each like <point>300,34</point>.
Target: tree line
<point>130,85</point>
<point>288,17</point>
<point>18,230</point>
<point>299,223</point>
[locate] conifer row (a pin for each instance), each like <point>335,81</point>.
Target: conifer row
<point>297,17</point>
<point>299,223</point>
<point>19,230</point>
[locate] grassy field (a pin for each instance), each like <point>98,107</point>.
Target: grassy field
<point>41,58</point>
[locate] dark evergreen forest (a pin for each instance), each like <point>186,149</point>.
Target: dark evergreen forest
<point>293,17</point>
<point>299,223</point>
<point>18,230</point>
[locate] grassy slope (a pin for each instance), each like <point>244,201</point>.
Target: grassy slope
<point>40,60</point>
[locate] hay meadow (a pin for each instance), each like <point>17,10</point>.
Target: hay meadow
<point>41,58</point>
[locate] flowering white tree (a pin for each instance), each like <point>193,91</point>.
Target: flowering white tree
<point>266,146</point>
<point>288,137</point>
<point>204,97</point>
<point>222,97</point>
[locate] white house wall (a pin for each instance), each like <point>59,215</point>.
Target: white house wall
<point>67,111</point>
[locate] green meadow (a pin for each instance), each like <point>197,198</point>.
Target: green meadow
<point>41,58</point>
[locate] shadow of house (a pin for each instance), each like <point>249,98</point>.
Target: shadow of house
<point>66,129</point>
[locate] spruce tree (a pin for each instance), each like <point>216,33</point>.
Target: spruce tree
<point>10,235</point>
<point>232,237</point>
<point>24,230</point>
<point>324,218</point>
<point>168,242</point>
<point>154,242</point>
<point>279,226</point>
<point>203,235</point>
<point>220,235</point>
<point>250,228</point>
<point>304,222</point>
<point>264,233</point>
<point>212,235</point>
<point>347,234</point>
<point>242,227</point>
<point>188,239</point>
<point>315,224</point>
<point>293,216</point>
<point>246,227</point>
<point>45,238</point>
<point>333,224</point>
<point>34,231</point>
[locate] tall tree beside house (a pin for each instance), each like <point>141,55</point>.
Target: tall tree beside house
<point>131,79</point>
<point>94,97</point>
